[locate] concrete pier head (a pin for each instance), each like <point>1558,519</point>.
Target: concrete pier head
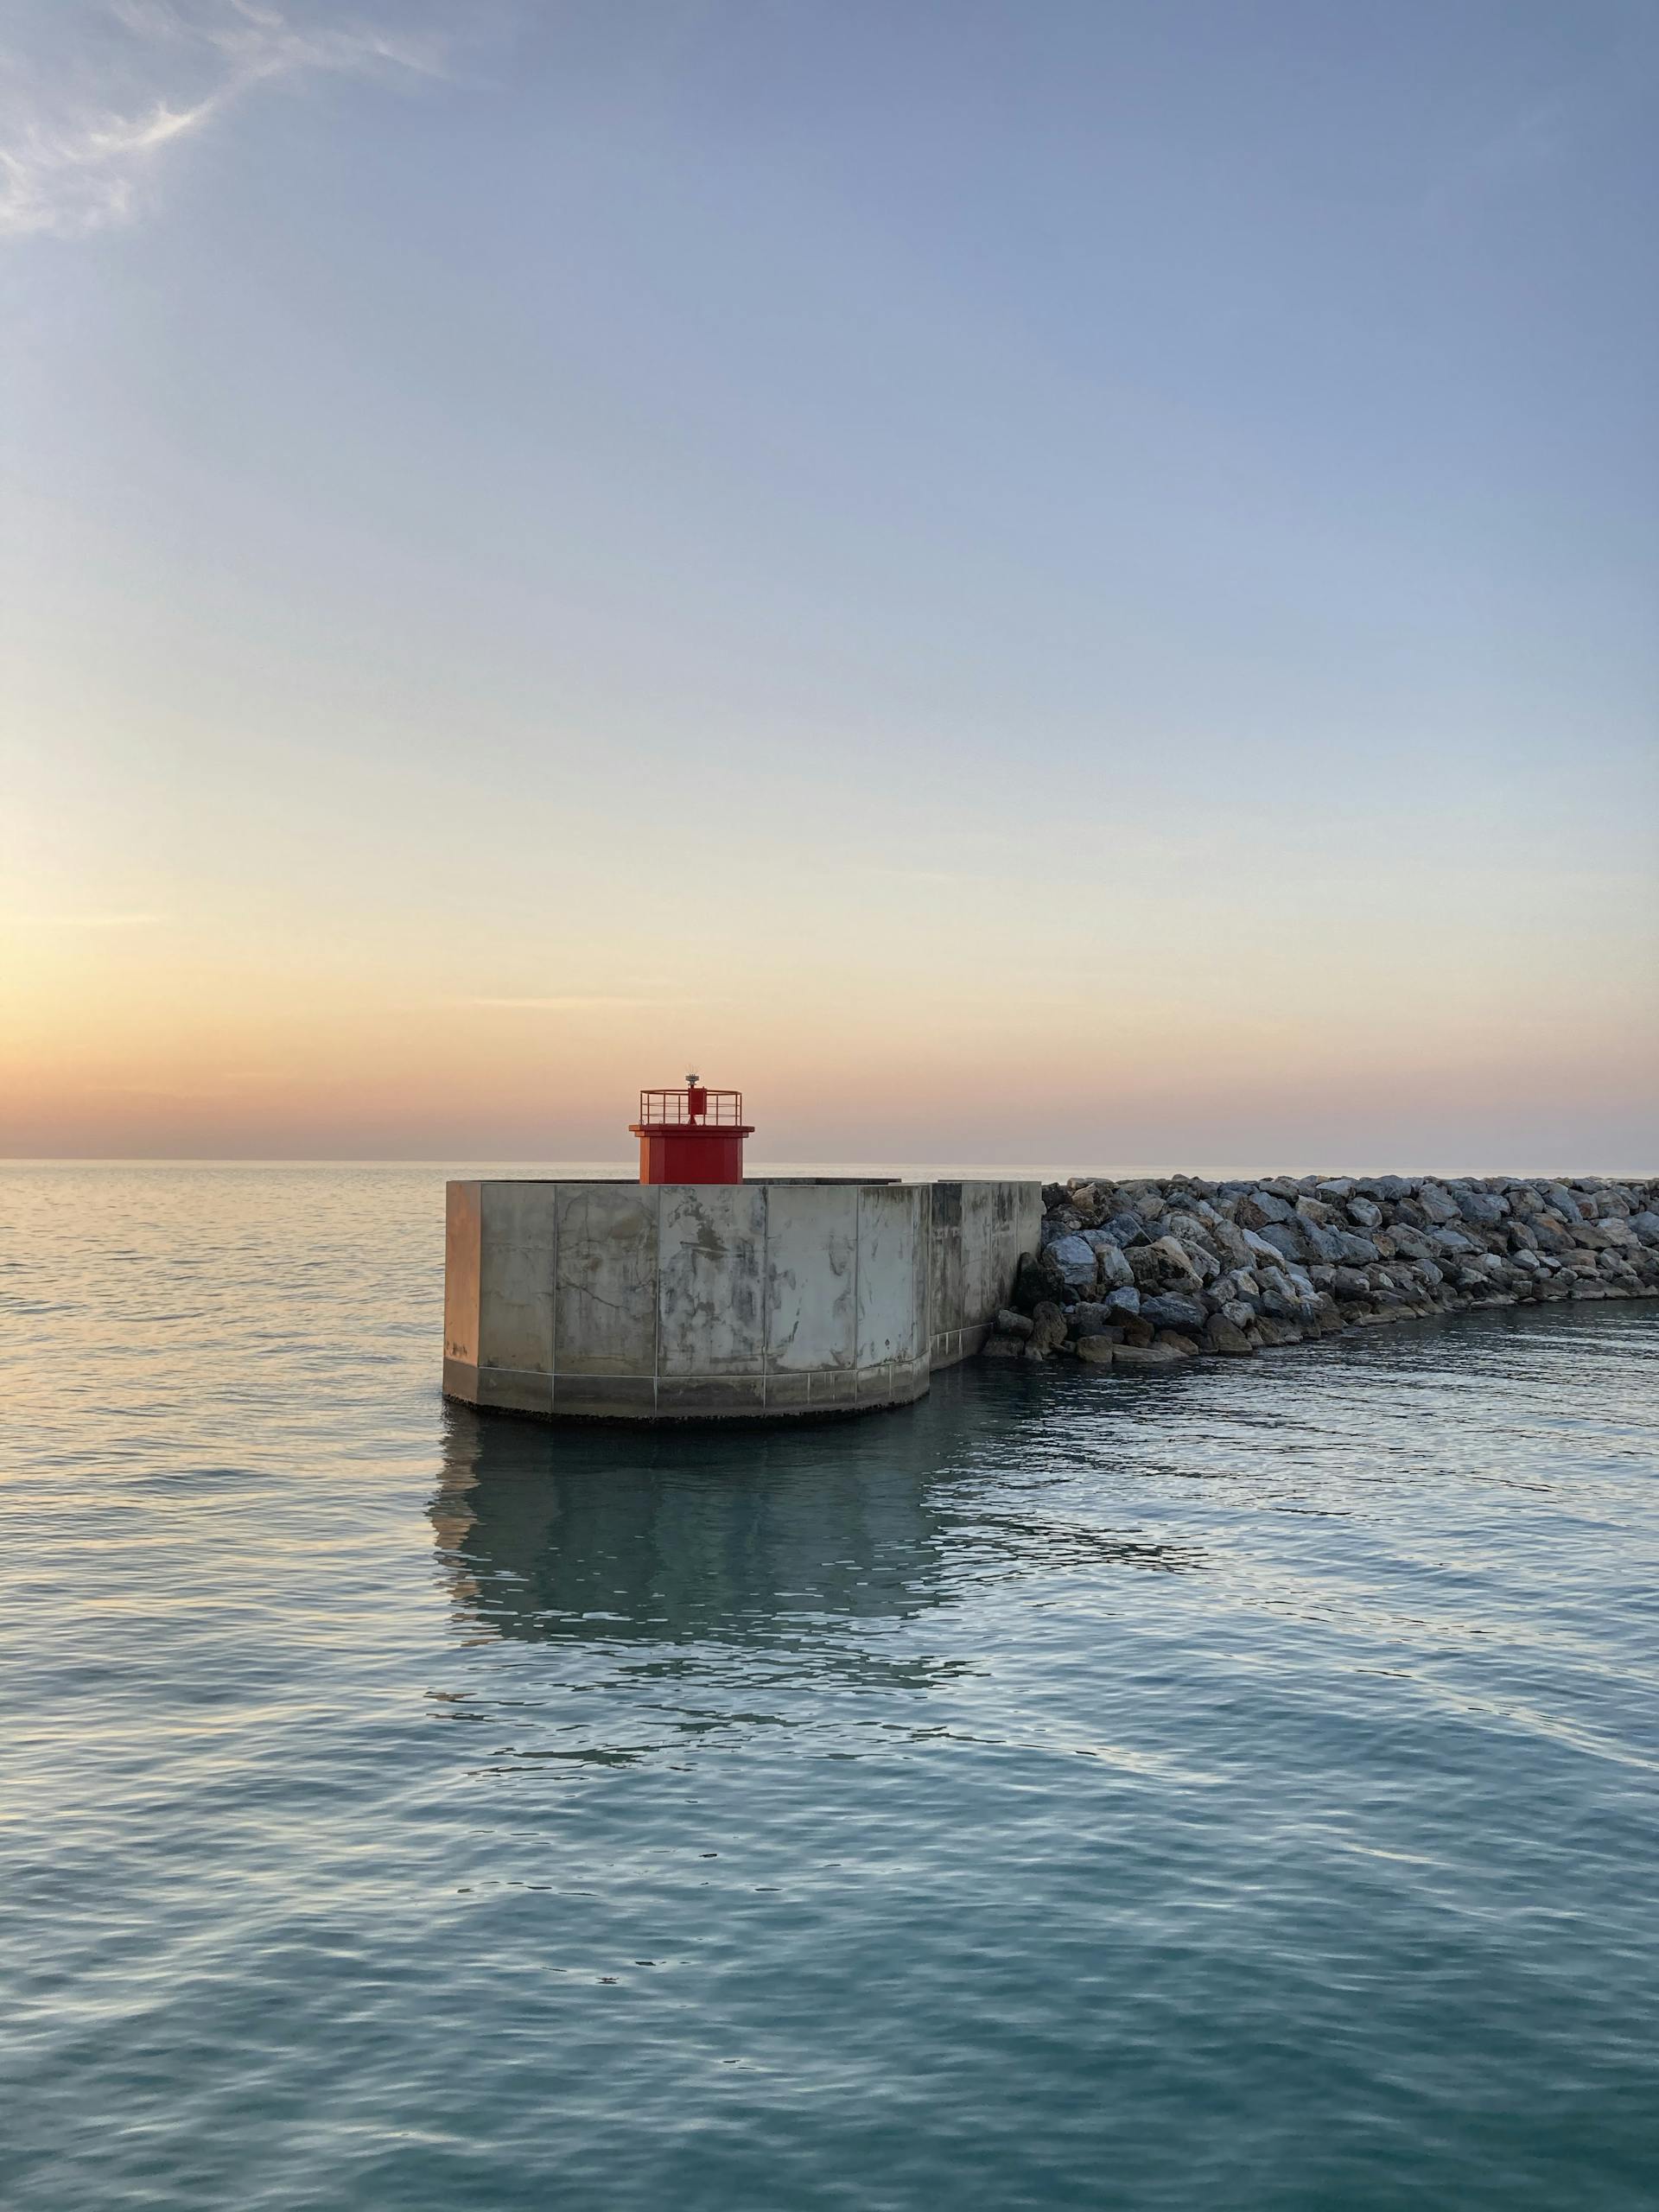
<point>631,1301</point>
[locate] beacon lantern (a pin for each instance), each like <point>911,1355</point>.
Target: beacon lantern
<point>693,1135</point>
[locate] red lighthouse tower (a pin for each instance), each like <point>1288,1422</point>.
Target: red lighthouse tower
<point>693,1135</point>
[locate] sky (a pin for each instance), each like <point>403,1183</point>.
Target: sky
<point>1026,581</point>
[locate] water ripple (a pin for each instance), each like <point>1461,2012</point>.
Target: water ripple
<point>1233,1787</point>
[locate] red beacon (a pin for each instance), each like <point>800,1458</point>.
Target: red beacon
<point>693,1135</point>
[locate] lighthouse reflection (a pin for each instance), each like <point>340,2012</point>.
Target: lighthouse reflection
<point>684,1538</point>
<point>794,1537</point>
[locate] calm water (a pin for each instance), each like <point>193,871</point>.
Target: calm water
<point>1233,1790</point>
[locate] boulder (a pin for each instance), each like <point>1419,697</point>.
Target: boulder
<point>1075,1261</point>
<point>1288,1238</point>
<point>1272,1332</point>
<point>1048,1328</point>
<point>1059,1222</point>
<point>1169,1311</point>
<point>1113,1266</point>
<point>1123,1303</point>
<point>1135,1357</point>
<point>1126,1229</point>
<point>1165,1265</point>
<point>1177,1342</point>
<point>1086,1204</point>
<point>1010,1324</point>
<point>1439,1205</point>
<point>1364,1213</point>
<point>1227,1338</point>
<point>1099,1350</point>
<point>1088,1316</point>
<point>1482,1206</point>
<point>1357,1251</point>
<point>1002,1347</point>
<point>1258,1207</point>
<point>1190,1228</point>
<point>1035,1279</point>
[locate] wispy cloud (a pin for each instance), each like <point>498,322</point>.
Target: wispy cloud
<point>82,921</point>
<point>85,121</point>
<point>571,1005</point>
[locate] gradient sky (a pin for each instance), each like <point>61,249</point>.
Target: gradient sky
<point>1027,581</point>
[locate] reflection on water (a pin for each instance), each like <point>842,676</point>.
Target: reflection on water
<point>679,1535</point>
<point>1230,1788</point>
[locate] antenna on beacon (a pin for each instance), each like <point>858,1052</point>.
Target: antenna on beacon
<point>693,1136</point>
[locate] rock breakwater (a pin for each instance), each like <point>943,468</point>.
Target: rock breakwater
<point>1147,1273</point>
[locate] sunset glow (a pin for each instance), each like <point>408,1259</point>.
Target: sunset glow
<point>1010,635</point>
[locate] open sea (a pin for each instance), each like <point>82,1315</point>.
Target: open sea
<point>1234,1789</point>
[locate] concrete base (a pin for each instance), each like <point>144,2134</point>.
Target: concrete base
<point>625,1302</point>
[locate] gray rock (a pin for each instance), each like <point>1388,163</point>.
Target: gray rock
<point>1048,1328</point>
<point>1169,1311</point>
<point>1087,1204</point>
<point>1270,1332</point>
<point>1145,1356</point>
<point>1364,1213</point>
<point>1002,1347</point>
<point>1034,1281</point>
<point>1644,1226</point>
<point>1098,1351</point>
<point>1088,1316</point>
<point>1259,1207</point>
<point>1482,1206</point>
<point>1439,1206</point>
<point>1010,1324</point>
<point>1165,1265</point>
<point>1123,1302</point>
<point>1113,1261</point>
<point>1287,1238</point>
<point>1357,1251</point>
<point>1127,1228</point>
<point>1176,1221</point>
<point>1075,1261</point>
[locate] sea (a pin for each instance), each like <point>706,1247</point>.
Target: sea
<point>1228,1788</point>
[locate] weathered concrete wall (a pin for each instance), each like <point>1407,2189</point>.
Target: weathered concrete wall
<point>623,1300</point>
<point>980,1230</point>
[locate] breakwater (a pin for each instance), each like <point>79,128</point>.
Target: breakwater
<point>1147,1274</point>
